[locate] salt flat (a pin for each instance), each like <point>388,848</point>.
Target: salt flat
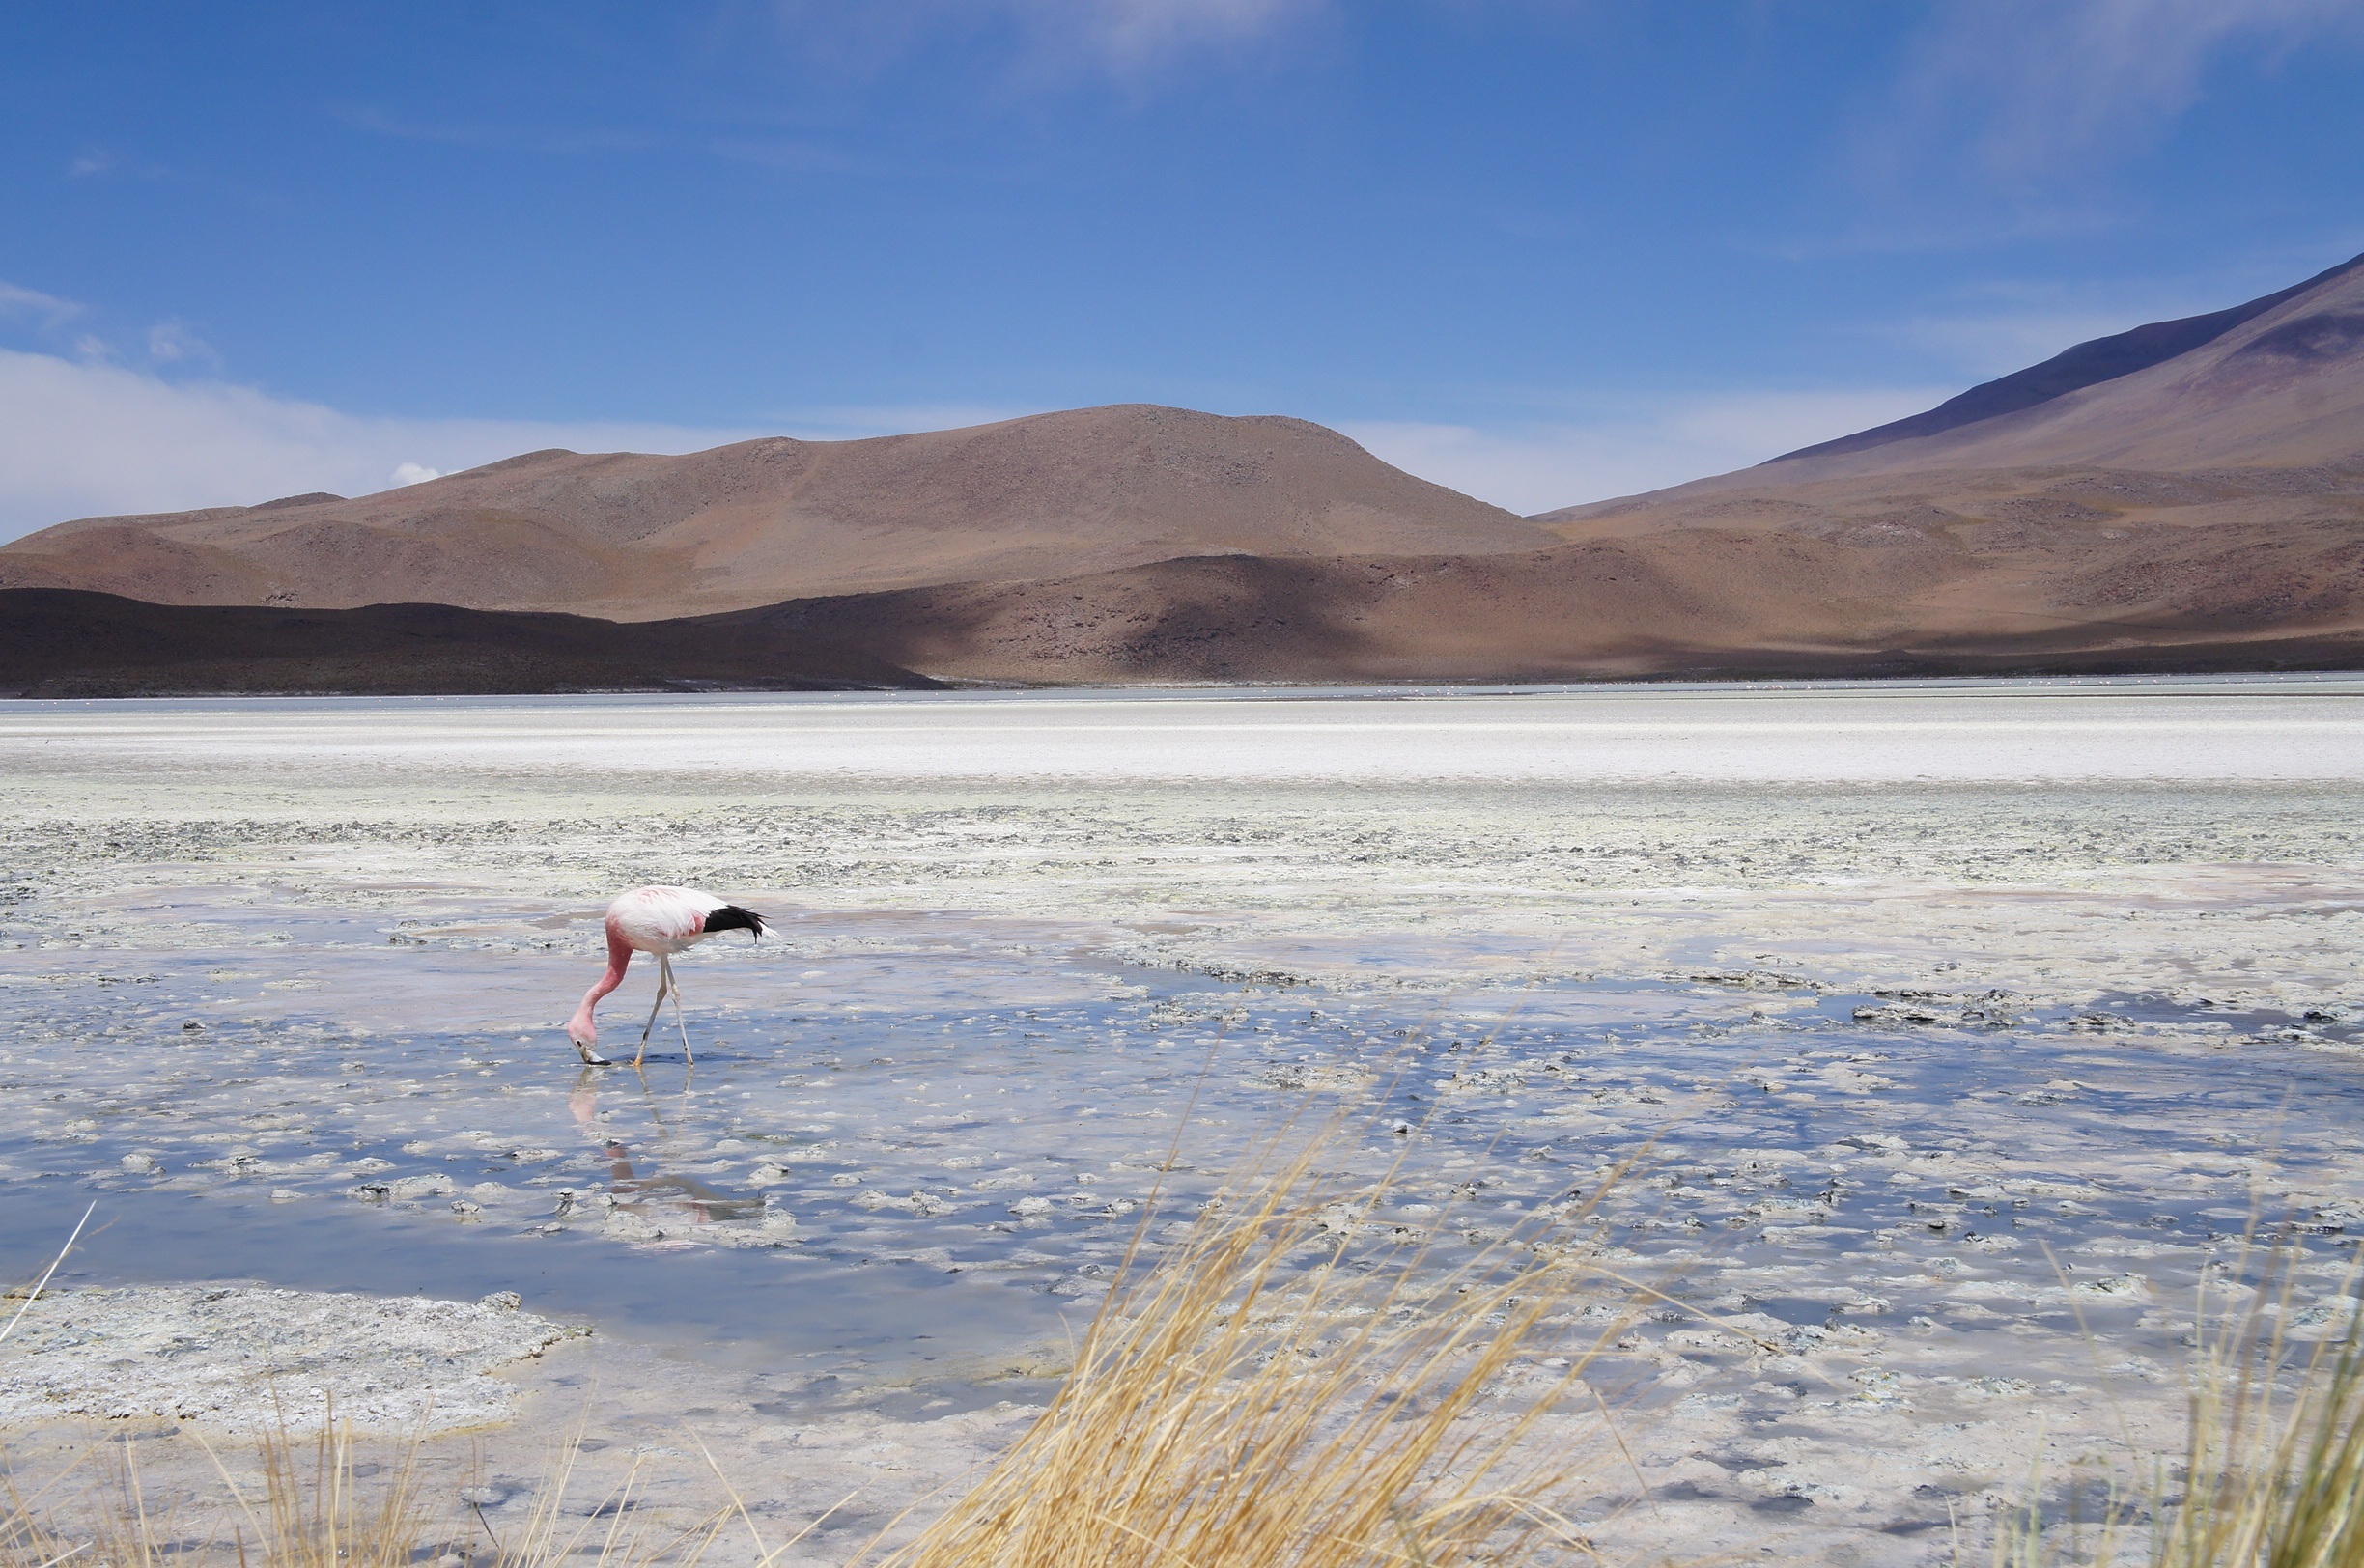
<point>2201,728</point>
<point>1946,1014</point>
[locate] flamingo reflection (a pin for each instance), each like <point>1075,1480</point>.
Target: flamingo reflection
<point>639,1191</point>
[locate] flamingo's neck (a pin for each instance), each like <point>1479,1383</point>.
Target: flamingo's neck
<point>582,1026</point>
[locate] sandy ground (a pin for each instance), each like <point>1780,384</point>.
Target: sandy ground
<point>1961,1033</point>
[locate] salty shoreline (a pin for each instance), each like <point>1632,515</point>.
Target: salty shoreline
<point>1900,991</point>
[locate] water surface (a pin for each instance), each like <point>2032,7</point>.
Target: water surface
<point>1950,1022</point>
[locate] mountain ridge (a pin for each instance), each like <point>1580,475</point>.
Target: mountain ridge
<point>636,537</point>
<point>2074,369</point>
<point>2205,510</point>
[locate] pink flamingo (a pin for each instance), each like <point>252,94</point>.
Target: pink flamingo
<point>664,921</point>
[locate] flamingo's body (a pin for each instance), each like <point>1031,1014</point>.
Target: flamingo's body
<point>664,921</point>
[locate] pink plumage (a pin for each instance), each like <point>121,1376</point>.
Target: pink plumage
<point>664,921</point>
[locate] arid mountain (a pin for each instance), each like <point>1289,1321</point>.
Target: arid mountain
<point>1691,603</point>
<point>1697,603</point>
<point>632,536</point>
<point>2184,496</point>
<point>2275,395</point>
<point>2213,496</point>
<point>2189,495</point>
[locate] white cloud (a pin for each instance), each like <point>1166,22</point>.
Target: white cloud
<point>2051,85</point>
<point>407,474</point>
<point>1538,467</point>
<point>93,438</point>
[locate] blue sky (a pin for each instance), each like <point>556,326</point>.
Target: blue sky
<point>1542,250</point>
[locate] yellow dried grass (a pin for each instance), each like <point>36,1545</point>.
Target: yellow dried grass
<point>2272,1477</point>
<point>322,1504</point>
<point>1263,1395</point>
<point>2272,1470</point>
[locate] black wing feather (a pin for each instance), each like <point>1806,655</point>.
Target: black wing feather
<point>731,917</point>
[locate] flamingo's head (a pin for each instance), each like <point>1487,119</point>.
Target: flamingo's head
<point>583,1040</point>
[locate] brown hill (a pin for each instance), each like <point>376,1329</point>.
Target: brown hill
<point>633,537</point>
<point>1691,601</point>
<point>2214,496</point>
<point>1700,604</point>
<point>2189,495</point>
<point>2150,509</point>
<point>67,643</point>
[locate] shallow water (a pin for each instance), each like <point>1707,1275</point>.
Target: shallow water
<point>1950,1023</point>
<point>964,1122</point>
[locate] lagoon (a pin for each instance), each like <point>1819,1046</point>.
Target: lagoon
<point>1952,1023</point>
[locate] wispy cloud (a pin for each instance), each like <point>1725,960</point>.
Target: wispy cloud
<point>2008,325</point>
<point>2004,325</point>
<point>524,136</point>
<point>48,316</point>
<point>93,438</point>
<point>96,162</point>
<point>2050,87</point>
<point>1641,445</point>
<point>170,342</point>
<point>1994,343</point>
<point>44,310</point>
<point>1131,33</point>
<point>1123,37</point>
<point>796,156</point>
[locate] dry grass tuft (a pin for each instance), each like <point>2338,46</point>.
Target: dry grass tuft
<point>2272,1477</point>
<point>322,1504</point>
<point>320,1515</point>
<point>2273,1471</point>
<point>1267,1395</point>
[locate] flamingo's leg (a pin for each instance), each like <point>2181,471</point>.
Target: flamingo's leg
<point>665,980</point>
<point>678,1021</point>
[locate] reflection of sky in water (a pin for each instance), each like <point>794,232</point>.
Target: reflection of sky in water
<point>927,1140</point>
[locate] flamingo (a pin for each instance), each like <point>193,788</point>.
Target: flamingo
<point>664,921</point>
